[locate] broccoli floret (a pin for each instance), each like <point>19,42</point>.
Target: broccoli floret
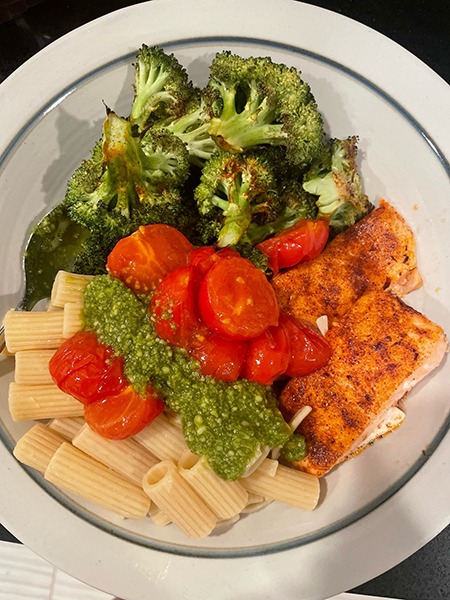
<point>234,190</point>
<point>334,178</point>
<point>258,258</point>
<point>167,158</point>
<point>297,204</point>
<point>162,87</point>
<point>193,129</point>
<point>256,102</point>
<point>119,187</point>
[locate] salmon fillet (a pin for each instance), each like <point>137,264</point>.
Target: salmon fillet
<point>381,349</point>
<point>376,253</point>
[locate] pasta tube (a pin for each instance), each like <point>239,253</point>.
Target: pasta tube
<point>68,427</point>
<point>286,485</point>
<point>33,330</point>
<point>73,319</point>
<point>164,438</point>
<point>32,367</point>
<point>81,474</point>
<point>69,287</point>
<point>178,500</point>
<point>225,498</point>
<point>36,447</point>
<point>124,456</point>
<point>34,402</point>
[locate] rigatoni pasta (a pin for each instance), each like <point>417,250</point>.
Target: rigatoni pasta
<point>37,447</point>
<point>177,499</point>
<point>68,427</point>
<point>225,498</point>
<point>163,438</point>
<point>35,402</point>
<point>285,485</point>
<point>33,330</point>
<point>127,457</point>
<point>152,474</point>
<point>68,287</point>
<point>76,472</point>
<point>32,367</point>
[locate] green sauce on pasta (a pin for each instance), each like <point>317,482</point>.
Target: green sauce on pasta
<point>228,423</point>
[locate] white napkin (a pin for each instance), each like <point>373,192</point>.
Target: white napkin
<point>23,574</point>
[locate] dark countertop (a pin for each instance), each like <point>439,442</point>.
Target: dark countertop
<point>422,27</point>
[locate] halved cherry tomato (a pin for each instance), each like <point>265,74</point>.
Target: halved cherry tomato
<point>86,369</point>
<point>309,348</point>
<point>268,356</point>
<point>203,258</point>
<point>174,307</point>
<point>145,257</point>
<point>303,241</point>
<point>126,414</point>
<point>236,300</point>
<point>219,357</point>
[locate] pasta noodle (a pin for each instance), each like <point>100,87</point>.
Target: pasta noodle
<point>176,498</point>
<point>34,402</point>
<point>32,367</point>
<point>73,319</point>
<point>68,427</point>
<point>76,472</point>
<point>69,287</point>
<point>286,485</point>
<point>124,456</point>
<point>37,447</point>
<point>158,516</point>
<point>226,499</point>
<point>33,330</point>
<point>164,438</point>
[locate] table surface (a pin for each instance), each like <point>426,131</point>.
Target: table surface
<point>422,27</point>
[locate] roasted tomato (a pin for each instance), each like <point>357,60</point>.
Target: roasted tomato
<point>268,356</point>
<point>203,258</point>
<point>303,241</point>
<point>309,348</point>
<point>219,357</point>
<point>174,307</point>
<point>236,300</point>
<point>86,369</point>
<point>145,257</point>
<point>123,415</point>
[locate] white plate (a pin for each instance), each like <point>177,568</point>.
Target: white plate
<point>377,509</point>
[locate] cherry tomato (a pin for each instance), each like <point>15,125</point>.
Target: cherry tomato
<point>145,257</point>
<point>86,369</point>
<point>123,415</point>
<point>174,307</point>
<point>236,300</point>
<point>219,357</point>
<point>303,241</point>
<point>309,348</point>
<point>268,356</point>
<point>203,258</point>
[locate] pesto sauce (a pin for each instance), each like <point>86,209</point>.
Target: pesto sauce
<point>225,422</point>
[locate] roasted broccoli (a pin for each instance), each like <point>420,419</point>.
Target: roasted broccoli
<point>296,204</point>
<point>193,129</point>
<point>334,178</point>
<point>255,102</point>
<point>162,87</point>
<point>234,190</point>
<point>128,182</point>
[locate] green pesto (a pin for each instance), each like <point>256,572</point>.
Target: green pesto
<point>295,448</point>
<point>225,422</point>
